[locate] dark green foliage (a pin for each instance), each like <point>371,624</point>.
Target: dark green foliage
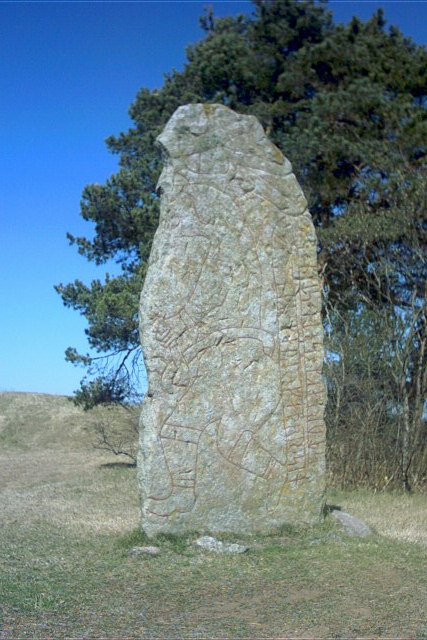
<point>346,104</point>
<point>111,309</point>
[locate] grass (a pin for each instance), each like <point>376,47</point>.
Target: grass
<point>70,515</point>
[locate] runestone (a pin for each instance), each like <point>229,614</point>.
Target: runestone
<point>232,432</point>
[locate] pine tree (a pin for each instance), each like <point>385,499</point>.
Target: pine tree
<point>346,104</point>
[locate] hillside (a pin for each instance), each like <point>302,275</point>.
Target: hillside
<point>39,420</point>
<point>47,455</point>
<point>34,421</point>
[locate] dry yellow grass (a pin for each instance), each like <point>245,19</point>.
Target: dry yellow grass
<point>67,489</point>
<point>397,516</point>
<point>51,471</point>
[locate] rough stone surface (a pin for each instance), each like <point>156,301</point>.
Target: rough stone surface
<point>232,430</point>
<point>212,544</point>
<point>351,525</point>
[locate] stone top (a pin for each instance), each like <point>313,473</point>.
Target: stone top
<point>203,136</point>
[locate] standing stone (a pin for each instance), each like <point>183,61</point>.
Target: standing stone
<point>232,430</point>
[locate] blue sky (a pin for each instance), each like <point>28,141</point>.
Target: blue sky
<point>69,72</point>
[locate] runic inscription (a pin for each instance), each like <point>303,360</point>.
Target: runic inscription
<point>232,430</point>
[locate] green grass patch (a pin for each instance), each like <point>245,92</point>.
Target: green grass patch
<point>53,581</point>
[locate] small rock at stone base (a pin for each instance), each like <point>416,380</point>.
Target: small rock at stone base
<point>333,536</point>
<point>212,544</point>
<point>151,551</point>
<point>330,536</point>
<point>352,526</point>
